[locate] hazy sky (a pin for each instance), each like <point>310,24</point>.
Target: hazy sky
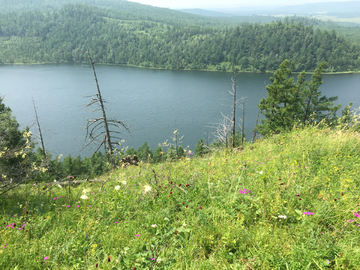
<point>226,3</point>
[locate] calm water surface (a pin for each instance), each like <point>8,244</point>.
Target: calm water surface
<point>152,102</point>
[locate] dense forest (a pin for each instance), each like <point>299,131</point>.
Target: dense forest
<point>167,39</point>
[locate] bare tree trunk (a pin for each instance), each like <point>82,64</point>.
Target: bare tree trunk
<point>234,106</point>
<point>106,126</point>
<point>243,125</point>
<point>41,137</point>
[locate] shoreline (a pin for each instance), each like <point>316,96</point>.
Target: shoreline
<point>155,68</point>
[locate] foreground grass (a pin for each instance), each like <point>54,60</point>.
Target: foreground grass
<point>287,202</point>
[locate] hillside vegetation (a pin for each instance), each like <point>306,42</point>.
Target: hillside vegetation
<point>146,36</point>
<point>290,201</point>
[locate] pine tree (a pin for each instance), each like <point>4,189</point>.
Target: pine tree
<point>289,103</point>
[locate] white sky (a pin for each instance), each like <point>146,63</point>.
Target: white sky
<point>226,3</point>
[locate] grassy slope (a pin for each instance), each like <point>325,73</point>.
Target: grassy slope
<point>209,224</point>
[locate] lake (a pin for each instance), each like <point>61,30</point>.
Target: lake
<point>152,102</point>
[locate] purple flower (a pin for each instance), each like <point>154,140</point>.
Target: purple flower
<point>308,213</point>
<point>54,198</point>
<point>47,257</point>
<point>89,205</point>
<point>68,206</point>
<point>137,235</point>
<point>78,206</point>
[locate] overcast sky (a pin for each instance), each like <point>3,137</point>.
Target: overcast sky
<point>226,3</point>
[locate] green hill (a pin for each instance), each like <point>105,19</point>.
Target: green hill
<point>286,202</point>
<point>142,39</point>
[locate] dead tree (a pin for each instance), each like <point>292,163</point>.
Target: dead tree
<point>98,129</point>
<point>233,79</point>
<point>235,103</point>
<point>40,133</point>
<point>222,130</point>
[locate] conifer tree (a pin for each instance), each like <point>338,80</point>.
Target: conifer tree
<point>288,102</point>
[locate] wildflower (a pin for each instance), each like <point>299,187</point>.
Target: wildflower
<point>84,197</point>
<point>356,215</point>
<point>137,235</point>
<point>154,225</point>
<point>282,216</point>
<point>308,213</point>
<point>59,186</point>
<point>261,172</point>
<point>108,258</point>
<point>86,190</point>
<point>47,257</point>
<point>123,182</point>
<point>86,236</point>
<point>97,265</point>
<point>244,191</point>
<point>200,207</point>
<point>78,206</point>
<point>54,199</point>
<point>89,205</point>
<point>147,188</point>
<point>117,188</point>
<point>166,219</point>
<point>68,206</point>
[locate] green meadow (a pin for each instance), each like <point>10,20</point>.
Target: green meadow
<point>290,201</point>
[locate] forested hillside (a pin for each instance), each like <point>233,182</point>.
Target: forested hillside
<point>159,39</point>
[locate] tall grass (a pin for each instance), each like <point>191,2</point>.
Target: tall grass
<point>287,202</point>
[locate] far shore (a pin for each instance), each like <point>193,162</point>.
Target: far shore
<point>156,68</point>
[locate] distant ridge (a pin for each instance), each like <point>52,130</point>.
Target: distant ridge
<point>340,9</point>
<point>204,12</point>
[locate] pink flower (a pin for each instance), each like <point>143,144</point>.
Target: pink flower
<point>356,215</point>
<point>54,199</point>
<point>78,206</point>
<point>309,213</point>
<point>47,257</point>
<point>68,206</point>
<point>89,205</point>
<point>137,235</point>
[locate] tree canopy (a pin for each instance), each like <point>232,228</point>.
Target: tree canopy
<point>289,103</point>
<point>116,36</point>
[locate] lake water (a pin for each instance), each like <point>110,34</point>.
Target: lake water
<point>152,102</point>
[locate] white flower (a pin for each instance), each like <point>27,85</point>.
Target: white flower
<point>55,181</point>
<point>117,188</point>
<point>147,188</point>
<point>261,172</point>
<point>154,225</point>
<point>84,197</point>
<point>123,182</point>
<point>282,216</point>
<point>86,190</point>
<point>59,186</point>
